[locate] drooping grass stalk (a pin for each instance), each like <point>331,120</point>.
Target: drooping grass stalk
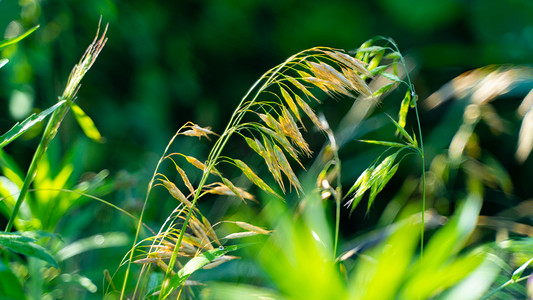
<point>420,149</point>
<point>422,156</point>
<point>139,223</point>
<point>309,65</point>
<point>337,192</point>
<point>506,284</point>
<point>212,160</point>
<point>69,95</point>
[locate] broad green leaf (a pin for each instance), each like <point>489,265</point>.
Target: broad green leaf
<point>10,287</point>
<point>19,128</point>
<point>86,124</point>
<point>18,243</point>
<point>193,265</point>
<point>16,39</point>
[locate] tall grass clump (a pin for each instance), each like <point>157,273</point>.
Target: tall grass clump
<point>292,246</point>
<point>33,250</point>
<point>272,120</point>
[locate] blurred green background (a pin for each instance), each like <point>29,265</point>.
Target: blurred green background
<point>168,62</point>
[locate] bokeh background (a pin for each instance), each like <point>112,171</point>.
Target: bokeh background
<point>168,62</point>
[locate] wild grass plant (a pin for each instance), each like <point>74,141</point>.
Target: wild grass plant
<point>32,251</point>
<point>283,239</point>
<point>301,252</point>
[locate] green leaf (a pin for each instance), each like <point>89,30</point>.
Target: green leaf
<point>403,132</point>
<point>193,265</point>
<point>10,287</point>
<point>87,124</point>
<point>22,127</point>
<point>518,272</point>
<point>382,90</point>
<point>3,62</point>
<point>390,76</point>
<point>16,39</point>
<point>384,143</point>
<point>378,70</point>
<point>18,243</point>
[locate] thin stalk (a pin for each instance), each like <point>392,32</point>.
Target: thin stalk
<point>213,158</point>
<point>420,149</point>
<point>338,190</point>
<point>139,224</point>
<point>69,94</point>
<point>506,284</point>
<point>49,133</point>
<point>337,221</point>
<point>422,228</point>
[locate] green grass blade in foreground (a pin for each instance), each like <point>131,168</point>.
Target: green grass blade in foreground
<point>442,265</point>
<point>73,84</point>
<point>382,275</point>
<point>19,128</point>
<point>16,39</point>
<point>10,287</point>
<point>3,62</point>
<point>18,243</point>
<point>193,265</point>
<point>516,277</point>
<point>231,291</point>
